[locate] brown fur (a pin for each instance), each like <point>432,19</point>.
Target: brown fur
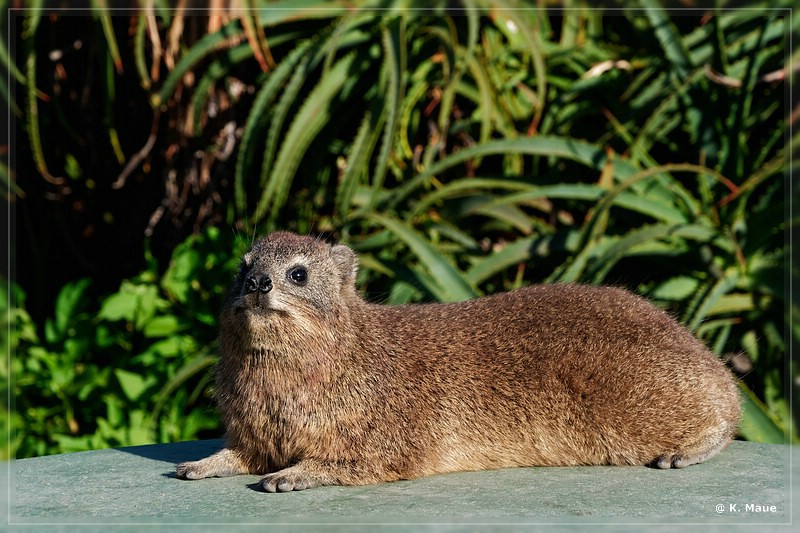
<point>318,387</point>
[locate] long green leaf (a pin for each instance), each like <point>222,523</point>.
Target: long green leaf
<point>655,122</point>
<point>668,36</point>
<point>110,98</point>
<point>413,96</point>
<point>737,136</point>
<point>452,285</point>
<point>757,423</point>
<point>584,191</point>
<point>573,270</point>
<point>391,40</point>
<point>594,228</point>
<point>32,115</point>
<point>487,98</point>
<point>358,160</point>
<point>138,52</point>
<point>108,31</point>
<point>517,252</point>
<point>283,11</point>
<point>467,185</point>
<point>509,216</point>
<point>257,118</point>
<point>603,264</point>
<point>6,60</point>
<point>718,290</point>
<point>312,115</point>
<point>573,149</point>
<point>279,113</point>
<point>530,35</point>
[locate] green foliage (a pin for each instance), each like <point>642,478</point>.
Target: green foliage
<point>460,154</point>
<point>131,370</point>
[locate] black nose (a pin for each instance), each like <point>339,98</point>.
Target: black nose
<point>253,284</point>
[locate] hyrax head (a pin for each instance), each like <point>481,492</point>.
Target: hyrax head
<point>289,274</point>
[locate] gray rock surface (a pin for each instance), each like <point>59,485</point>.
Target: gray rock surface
<point>748,483</point>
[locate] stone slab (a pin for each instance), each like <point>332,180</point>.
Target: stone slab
<point>748,483</point>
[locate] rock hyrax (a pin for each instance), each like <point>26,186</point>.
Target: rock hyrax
<point>318,387</point>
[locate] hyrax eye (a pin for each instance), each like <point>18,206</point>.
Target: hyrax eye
<point>297,275</point>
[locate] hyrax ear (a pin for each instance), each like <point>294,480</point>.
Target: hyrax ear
<point>346,260</point>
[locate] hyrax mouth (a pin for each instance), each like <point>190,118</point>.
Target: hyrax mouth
<point>262,308</point>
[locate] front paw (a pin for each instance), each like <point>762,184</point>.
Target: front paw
<point>191,470</point>
<point>222,464</point>
<point>286,481</point>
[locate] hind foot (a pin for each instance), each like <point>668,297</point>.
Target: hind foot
<point>680,460</point>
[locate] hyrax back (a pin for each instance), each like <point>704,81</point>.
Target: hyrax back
<point>318,387</point>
